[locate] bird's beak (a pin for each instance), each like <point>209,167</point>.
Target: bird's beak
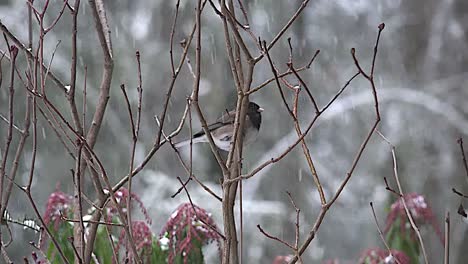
<point>260,110</point>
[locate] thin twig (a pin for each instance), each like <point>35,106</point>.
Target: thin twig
<point>408,213</point>
<point>297,126</point>
<point>281,75</point>
<point>52,25</point>
<point>195,211</point>
<point>186,47</point>
<point>89,221</point>
<point>196,87</point>
<point>75,250</point>
<point>312,99</point>
<point>297,226</point>
<point>71,92</point>
<point>356,159</point>
<point>459,193</point>
<point>447,238</point>
<point>293,145</point>
<point>8,123</point>
<point>286,27</point>
<point>275,73</point>
<point>13,50</point>
<point>382,235</point>
<point>31,56</point>
<point>79,229</point>
<point>275,238</point>
<point>5,256</point>
<point>465,164</point>
<point>171,38</point>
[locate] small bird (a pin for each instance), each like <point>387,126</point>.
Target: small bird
<point>222,130</point>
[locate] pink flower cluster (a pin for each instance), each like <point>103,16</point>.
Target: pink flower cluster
<point>420,211</point>
<point>186,224</point>
<point>378,256</point>
<point>121,196</point>
<point>58,204</point>
<point>142,236</point>
<point>282,259</point>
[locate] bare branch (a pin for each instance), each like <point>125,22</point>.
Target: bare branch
<point>382,235</point>
<point>13,50</point>
<point>195,211</point>
<point>275,238</point>
<point>286,27</point>
<point>447,238</point>
<point>408,213</point>
<point>460,142</point>
<point>293,145</point>
<point>357,157</point>
<point>30,55</point>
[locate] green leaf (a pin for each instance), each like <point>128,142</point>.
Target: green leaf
<point>61,235</point>
<point>102,246</point>
<point>158,256</point>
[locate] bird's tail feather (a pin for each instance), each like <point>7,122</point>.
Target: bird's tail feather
<point>194,141</point>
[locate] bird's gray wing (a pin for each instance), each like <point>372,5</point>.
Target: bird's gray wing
<point>225,119</point>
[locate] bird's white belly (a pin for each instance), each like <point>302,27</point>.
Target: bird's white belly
<point>224,140</point>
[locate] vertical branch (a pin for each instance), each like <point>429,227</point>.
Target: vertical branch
<point>408,213</point>
<point>100,22</point>
<point>171,38</point>
<point>234,161</point>
<point>103,33</point>
<point>286,27</point>
<point>135,126</point>
<point>135,129</point>
<point>13,53</point>
<point>35,62</point>
<point>189,104</point>
<point>230,53</point>
<point>132,158</point>
<point>294,114</point>
<point>237,54</point>
<point>228,214</point>
<point>382,235</point>
<point>18,155</point>
<point>140,93</point>
<point>447,238</point>
<point>403,200</point>
<point>462,150</point>
<point>40,50</point>
<point>306,152</point>
<point>71,93</point>
<point>5,256</point>
<point>84,98</point>
<point>78,228</point>
<point>241,224</point>
<point>102,200</point>
<point>237,146</point>
<point>196,88</point>
<point>297,227</point>
<point>294,248</point>
<point>246,17</point>
<point>157,142</point>
<point>357,157</point>
<point>24,135</point>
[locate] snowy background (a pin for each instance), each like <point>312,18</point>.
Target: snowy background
<point>421,77</point>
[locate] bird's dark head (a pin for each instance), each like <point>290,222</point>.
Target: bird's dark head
<point>255,114</point>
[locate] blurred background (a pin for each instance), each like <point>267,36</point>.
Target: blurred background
<point>421,77</point>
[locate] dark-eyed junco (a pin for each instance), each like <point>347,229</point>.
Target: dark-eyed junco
<point>222,130</point>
